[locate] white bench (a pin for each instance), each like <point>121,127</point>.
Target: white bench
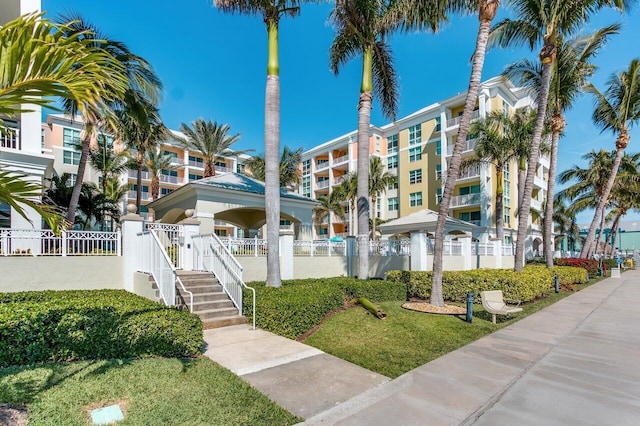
<point>493,302</point>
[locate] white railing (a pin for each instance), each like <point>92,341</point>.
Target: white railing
<point>322,184</point>
<point>470,145</point>
<point>472,172</point>
<point>222,169</point>
<point>390,248</point>
<point>452,248</point>
<point>170,236</point>
<point>508,250</point>
<point>483,249</point>
<point>451,122</point>
<point>212,256</point>
<point>464,200</point>
<point>198,164</point>
<point>321,165</point>
<point>134,174</point>
<point>246,246</point>
<point>43,242</point>
<point>169,179</point>
<point>340,160</point>
<point>338,180</point>
<point>319,248</point>
<point>144,196</point>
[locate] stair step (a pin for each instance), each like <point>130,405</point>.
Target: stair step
<point>216,313</point>
<point>224,322</point>
<point>208,297</point>
<point>214,304</point>
<point>217,288</point>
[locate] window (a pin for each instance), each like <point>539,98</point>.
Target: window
<point>134,187</point>
<point>506,195</point>
<point>165,191</point>
<point>393,185</point>
<point>470,216</point>
<point>171,154</point>
<point>378,144</point>
<point>506,171</point>
<point>193,177</point>
<point>323,231</point>
<point>378,204</point>
<point>195,161</point>
<point>415,176</point>
<point>438,124</point>
<point>106,139</point>
<point>415,154</point>
<point>392,204</point>
<point>505,108</point>
<point>392,162</point>
<point>507,216</point>
<point>438,147</point>
<point>71,157</point>
<point>5,216</point>
<point>306,167</point>
<point>169,172</point>
<point>392,144</point>
<point>42,138</point>
<point>306,186</point>
<point>439,195</point>
<point>71,138</point>
<point>438,171</point>
<point>415,134</point>
<point>415,199</point>
<point>473,189</point>
<point>240,168</point>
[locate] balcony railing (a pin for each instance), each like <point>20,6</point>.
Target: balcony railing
<point>539,182</point>
<point>134,175</point>
<point>455,121</point>
<point>222,169</point>
<point>472,172</point>
<point>341,160</point>
<point>322,184</point>
<point>144,196</point>
<point>536,205</point>
<point>10,138</point>
<point>465,200</point>
<point>338,180</point>
<point>470,145</point>
<point>321,165</point>
<point>199,164</point>
<point>169,179</point>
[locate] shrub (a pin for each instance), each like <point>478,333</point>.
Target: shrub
<point>532,282</point>
<point>590,265</point>
<point>71,325</point>
<point>610,263</point>
<point>568,275</point>
<point>299,305</point>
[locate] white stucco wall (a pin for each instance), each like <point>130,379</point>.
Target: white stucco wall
<point>60,273</point>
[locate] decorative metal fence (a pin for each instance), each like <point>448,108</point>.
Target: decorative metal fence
<point>43,242</point>
<point>170,237</point>
<point>245,246</point>
<point>319,248</point>
<point>390,248</point>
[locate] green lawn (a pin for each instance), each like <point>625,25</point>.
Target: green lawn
<point>156,391</point>
<point>407,339</point>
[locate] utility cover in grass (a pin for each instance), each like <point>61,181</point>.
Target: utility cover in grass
<point>106,415</point>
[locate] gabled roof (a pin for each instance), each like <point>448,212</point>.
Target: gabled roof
<point>425,220</point>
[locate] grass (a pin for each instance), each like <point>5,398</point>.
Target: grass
<point>156,391</point>
<point>407,339</point>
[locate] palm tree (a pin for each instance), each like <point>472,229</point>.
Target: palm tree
<point>139,125</point>
<point>271,12</point>
<point>333,203</point>
<point>115,193</point>
<point>496,145</point>
<point>156,162</point>
<point>546,21</point>
<point>566,225</point>
<point>289,167</point>
<point>94,206</point>
<point>617,110</point>
<point>209,139</point>
<point>379,181</point>
<point>349,187</point>
<point>140,82</point>
<point>107,162</point>
<point>569,76</point>
<point>362,28</point>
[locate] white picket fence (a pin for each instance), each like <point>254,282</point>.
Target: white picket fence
<point>44,242</point>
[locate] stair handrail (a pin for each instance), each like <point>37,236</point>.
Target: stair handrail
<point>228,265</point>
<point>169,263</point>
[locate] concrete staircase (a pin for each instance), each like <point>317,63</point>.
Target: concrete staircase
<point>210,302</point>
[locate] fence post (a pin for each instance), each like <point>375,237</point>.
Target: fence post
<point>418,261</point>
<point>329,247</point>
<point>311,248</point>
<point>131,225</point>
<point>497,247</point>
<point>350,251</point>
<point>190,227</point>
<point>255,246</point>
<point>465,240</point>
<point>286,254</point>
<point>64,243</point>
<point>118,243</point>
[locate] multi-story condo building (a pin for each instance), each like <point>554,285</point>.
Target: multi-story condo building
<point>416,149</point>
<point>61,138</point>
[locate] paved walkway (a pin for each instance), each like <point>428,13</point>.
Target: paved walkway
<point>575,362</point>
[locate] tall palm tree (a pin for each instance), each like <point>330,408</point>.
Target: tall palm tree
<point>362,28</point>
<point>115,192</point>
<point>107,162</point>
<point>94,206</point>
<point>616,110</point>
<point>155,162</point>
<point>289,167</point>
<point>140,82</point>
<point>570,72</point>
<point>566,225</point>
<point>496,145</point>
<point>271,11</point>
<point>379,180</point>
<point>210,139</point>
<point>332,203</point>
<point>349,187</point>
<point>546,22</point>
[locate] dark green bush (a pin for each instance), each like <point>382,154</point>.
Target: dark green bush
<point>299,305</point>
<point>532,282</point>
<point>102,324</point>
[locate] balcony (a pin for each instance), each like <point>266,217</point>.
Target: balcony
<point>322,184</point>
<point>169,179</point>
<point>473,172</point>
<point>475,221</point>
<point>465,200</point>
<point>198,164</point>
<point>539,182</point>
<point>338,180</point>
<point>144,196</point>
<point>10,138</point>
<point>536,205</point>
<point>340,160</point>
<point>222,169</point>
<point>455,121</point>
<point>322,164</point>
<point>470,145</point>
<point>133,174</point>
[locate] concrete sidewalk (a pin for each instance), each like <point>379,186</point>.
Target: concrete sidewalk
<point>575,362</point>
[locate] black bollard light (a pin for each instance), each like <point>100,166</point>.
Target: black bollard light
<point>556,283</point>
<point>469,307</point>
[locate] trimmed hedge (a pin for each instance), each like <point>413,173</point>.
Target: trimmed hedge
<point>591,265</point>
<point>532,282</point>
<point>568,275</point>
<point>299,305</point>
<point>100,324</point>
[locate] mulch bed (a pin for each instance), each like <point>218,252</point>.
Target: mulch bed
<point>13,415</point>
<point>428,308</point>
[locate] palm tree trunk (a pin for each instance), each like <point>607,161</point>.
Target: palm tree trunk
<point>614,232</point>
<point>364,122</point>
<point>454,164</point>
<point>547,236</point>
<point>82,165</point>
<point>209,170</point>
<point>271,158</point>
<point>500,203</point>
<point>139,160</point>
<point>155,187</point>
<point>602,202</point>
<point>522,175</point>
<point>374,208</point>
<point>525,205</point>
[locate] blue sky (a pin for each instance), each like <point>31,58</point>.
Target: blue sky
<point>213,65</point>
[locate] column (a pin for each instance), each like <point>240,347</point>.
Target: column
<point>497,247</point>
<point>132,253</point>
<point>286,254</point>
<point>466,251</point>
<point>418,251</point>
<point>190,227</point>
